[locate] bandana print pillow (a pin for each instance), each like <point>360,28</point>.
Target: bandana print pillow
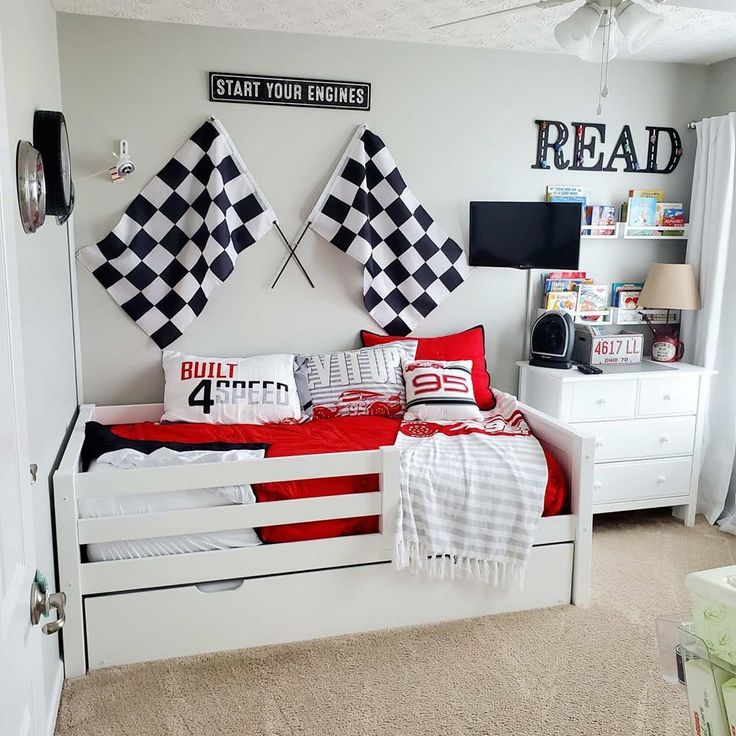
<point>365,382</point>
<point>257,390</point>
<point>438,390</point>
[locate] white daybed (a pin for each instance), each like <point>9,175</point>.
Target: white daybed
<point>125,611</point>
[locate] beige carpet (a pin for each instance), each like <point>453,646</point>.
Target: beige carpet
<point>558,672</point>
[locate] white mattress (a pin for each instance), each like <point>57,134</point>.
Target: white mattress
<point>145,503</point>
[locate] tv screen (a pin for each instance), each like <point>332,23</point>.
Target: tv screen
<point>525,234</point>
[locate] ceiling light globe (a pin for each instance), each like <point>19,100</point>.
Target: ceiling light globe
<point>575,34</point>
<point>603,46</point>
<point>638,25</point>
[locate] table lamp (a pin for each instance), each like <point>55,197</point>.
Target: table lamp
<point>669,286</point>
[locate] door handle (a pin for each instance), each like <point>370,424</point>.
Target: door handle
<point>41,604</point>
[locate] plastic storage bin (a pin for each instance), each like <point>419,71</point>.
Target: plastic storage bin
<point>713,595</point>
<point>710,682</point>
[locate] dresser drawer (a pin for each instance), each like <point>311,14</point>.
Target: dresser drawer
<point>668,396</point>
<point>593,400</point>
<point>641,438</point>
<point>634,481</point>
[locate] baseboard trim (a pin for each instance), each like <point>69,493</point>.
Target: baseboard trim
<point>55,699</point>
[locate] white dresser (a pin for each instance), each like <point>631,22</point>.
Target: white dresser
<point>648,425</point>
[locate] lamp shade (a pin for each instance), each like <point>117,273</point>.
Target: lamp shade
<point>638,25</point>
<point>576,33</point>
<point>670,286</point>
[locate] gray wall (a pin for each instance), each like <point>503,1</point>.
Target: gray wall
<point>31,82</point>
<point>721,89</point>
<point>459,121</point>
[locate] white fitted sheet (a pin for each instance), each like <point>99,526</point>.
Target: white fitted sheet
<point>146,503</point>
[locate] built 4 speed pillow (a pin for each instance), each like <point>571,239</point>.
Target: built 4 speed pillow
<point>467,345</point>
<point>365,382</point>
<point>257,390</point>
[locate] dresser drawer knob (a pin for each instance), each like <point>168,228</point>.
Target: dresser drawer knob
<point>664,438</point>
<point>597,485</point>
<point>602,400</point>
<point>661,479</point>
<point>600,443</point>
<point>667,397</point>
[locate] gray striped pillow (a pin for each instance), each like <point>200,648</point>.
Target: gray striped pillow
<point>364,382</point>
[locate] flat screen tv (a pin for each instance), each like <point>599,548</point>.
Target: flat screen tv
<point>525,234</point>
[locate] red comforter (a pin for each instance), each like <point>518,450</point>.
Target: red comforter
<point>341,434</point>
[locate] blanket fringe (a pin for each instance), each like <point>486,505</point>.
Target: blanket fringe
<point>414,557</point>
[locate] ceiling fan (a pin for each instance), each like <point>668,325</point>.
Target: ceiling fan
<point>589,31</point>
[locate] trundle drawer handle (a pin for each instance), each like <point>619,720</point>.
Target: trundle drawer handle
<point>600,443</point>
<point>602,401</point>
<point>667,397</point>
<point>597,485</point>
<point>220,586</point>
<point>661,479</point>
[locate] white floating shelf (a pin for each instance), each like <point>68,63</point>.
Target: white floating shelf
<point>680,233</point>
<point>600,232</point>
<point>635,316</point>
<point>584,318</point>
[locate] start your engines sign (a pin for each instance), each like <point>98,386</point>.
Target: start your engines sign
<point>293,91</point>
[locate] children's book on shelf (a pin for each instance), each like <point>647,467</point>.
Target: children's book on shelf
<point>628,299</point>
<point>570,194</point>
<point>565,275</point>
<point>561,282</point>
<point>625,294</point>
<point>567,194</point>
<point>601,218</point>
<point>563,301</point>
<point>592,297</point>
<point>656,194</point>
<point>642,212</point>
<point>671,214</point>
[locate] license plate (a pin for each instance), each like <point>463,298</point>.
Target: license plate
<point>616,349</point>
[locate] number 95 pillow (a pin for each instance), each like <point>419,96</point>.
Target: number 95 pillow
<point>257,390</point>
<point>438,390</point>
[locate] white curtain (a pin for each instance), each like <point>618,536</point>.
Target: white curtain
<point>710,333</point>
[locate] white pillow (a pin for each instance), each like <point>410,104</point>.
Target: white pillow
<point>440,390</point>
<point>365,382</point>
<point>151,503</point>
<point>257,390</point>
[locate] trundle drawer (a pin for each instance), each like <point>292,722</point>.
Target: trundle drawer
<point>653,479</point>
<point>123,628</point>
<point>603,400</point>
<point>633,440</point>
<point>668,396</point>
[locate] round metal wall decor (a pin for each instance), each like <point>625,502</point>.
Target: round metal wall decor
<point>51,138</point>
<point>31,187</point>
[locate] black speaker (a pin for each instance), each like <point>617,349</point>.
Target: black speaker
<point>552,341</point>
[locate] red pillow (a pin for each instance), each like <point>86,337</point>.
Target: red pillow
<point>555,495</point>
<point>468,345</point>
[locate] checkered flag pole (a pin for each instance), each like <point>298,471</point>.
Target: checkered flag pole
<point>367,211</point>
<point>180,237</point>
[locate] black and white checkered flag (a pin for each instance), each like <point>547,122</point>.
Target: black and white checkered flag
<point>180,237</point>
<point>410,263</point>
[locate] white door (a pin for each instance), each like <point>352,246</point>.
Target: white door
<point>21,694</point>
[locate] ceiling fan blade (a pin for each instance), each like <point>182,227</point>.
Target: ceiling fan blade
<point>538,4</point>
<point>725,6</point>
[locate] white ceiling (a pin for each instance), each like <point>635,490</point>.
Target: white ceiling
<point>698,36</point>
